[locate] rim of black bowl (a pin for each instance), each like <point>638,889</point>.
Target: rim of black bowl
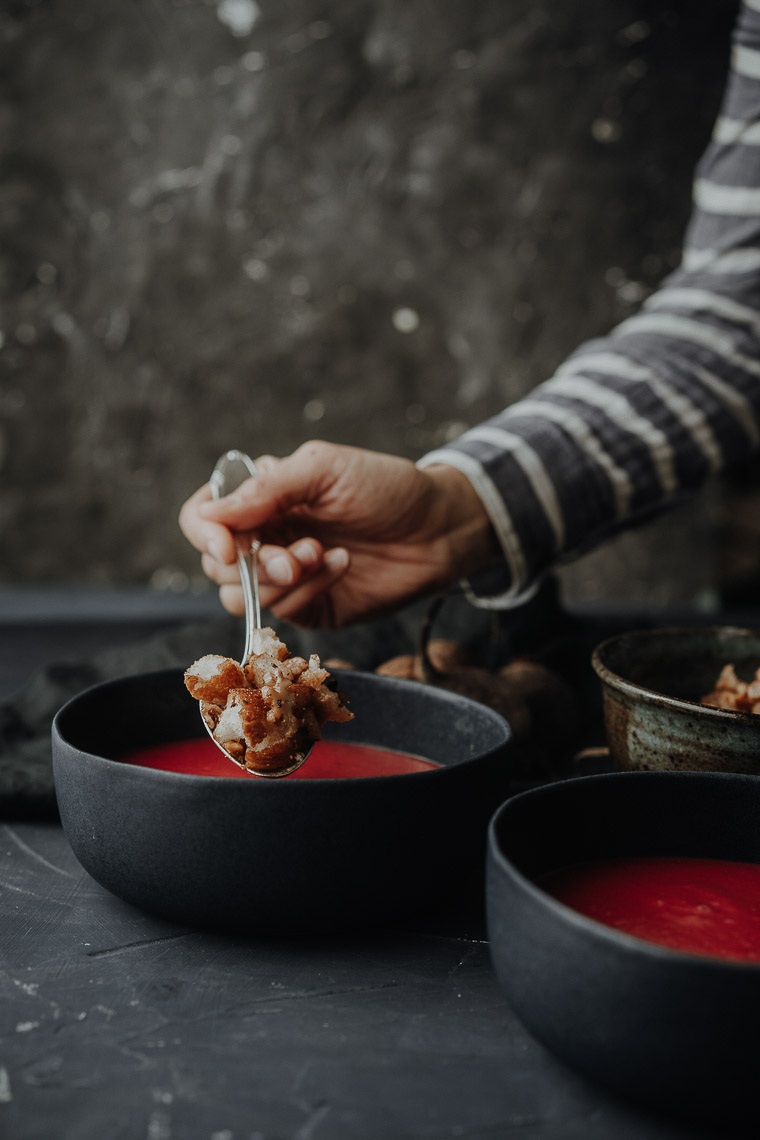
<point>630,688</point>
<point>315,781</point>
<point>610,933</point>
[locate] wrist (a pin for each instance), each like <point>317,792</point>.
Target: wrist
<point>468,539</point>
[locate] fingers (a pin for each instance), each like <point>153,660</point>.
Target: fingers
<point>209,523</point>
<point>294,574</point>
<point>284,566</point>
<point>231,598</point>
<point>278,566</point>
<point>279,485</point>
<point>206,535</point>
<point>307,603</point>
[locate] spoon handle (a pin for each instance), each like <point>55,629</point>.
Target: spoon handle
<point>249,579</point>
<point>232,469</point>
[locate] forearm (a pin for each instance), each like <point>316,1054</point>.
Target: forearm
<point>635,421</point>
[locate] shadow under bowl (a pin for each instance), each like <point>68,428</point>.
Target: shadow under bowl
<point>673,1031</point>
<point>279,855</point>
<point>652,682</point>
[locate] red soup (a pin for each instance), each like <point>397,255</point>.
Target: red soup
<point>329,760</point>
<point>706,906</point>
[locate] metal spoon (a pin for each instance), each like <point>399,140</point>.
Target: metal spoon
<point>231,470</point>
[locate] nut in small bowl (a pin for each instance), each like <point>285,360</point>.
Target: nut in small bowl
<point>654,683</point>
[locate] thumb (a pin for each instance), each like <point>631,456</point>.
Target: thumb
<point>281,485</point>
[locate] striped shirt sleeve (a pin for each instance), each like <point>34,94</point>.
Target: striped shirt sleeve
<point>635,421</point>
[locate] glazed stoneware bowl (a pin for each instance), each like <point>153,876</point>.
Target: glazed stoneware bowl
<point>279,855</point>
<point>672,1030</point>
<point>652,682</point>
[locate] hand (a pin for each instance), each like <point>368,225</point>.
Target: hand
<point>348,534</point>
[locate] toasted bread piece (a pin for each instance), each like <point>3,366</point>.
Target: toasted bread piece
<point>270,710</point>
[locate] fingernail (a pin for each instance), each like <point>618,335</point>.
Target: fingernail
<point>212,505</point>
<point>336,559</point>
<point>213,550</point>
<point>280,570</point>
<point>305,553</point>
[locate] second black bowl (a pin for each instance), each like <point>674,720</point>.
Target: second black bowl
<point>276,855</point>
<point>672,1030</point>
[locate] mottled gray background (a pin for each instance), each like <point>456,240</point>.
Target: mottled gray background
<point>236,223</point>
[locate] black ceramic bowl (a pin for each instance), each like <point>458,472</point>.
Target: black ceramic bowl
<point>277,855</point>
<point>672,1030</point>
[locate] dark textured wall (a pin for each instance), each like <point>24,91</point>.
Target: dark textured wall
<point>227,223</point>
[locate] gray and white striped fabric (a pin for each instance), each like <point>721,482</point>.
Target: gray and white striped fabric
<point>635,421</point>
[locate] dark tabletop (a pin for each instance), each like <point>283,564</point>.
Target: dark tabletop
<point>117,1024</point>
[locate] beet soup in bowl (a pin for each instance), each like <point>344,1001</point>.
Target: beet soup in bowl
<point>290,854</point>
<point>672,1028</point>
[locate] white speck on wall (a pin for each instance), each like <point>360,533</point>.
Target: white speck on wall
<point>631,292</point>
<point>297,42</point>
<point>635,32</point>
<point>26,1026</point>
<point>606,130</point>
<point>167,181</point>
<point>30,988</point>
<point>255,269</point>
<point>254,61</point>
<point>314,410</point>
<point>615,276</point>
<point>473,386</point>
<point>6,1096</point>
<point>454,429</point>
<point>406,320</point>
<point>168,578</point>
<point>159,1126</point>
<point>239,16</point>
<point>46,273</point>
